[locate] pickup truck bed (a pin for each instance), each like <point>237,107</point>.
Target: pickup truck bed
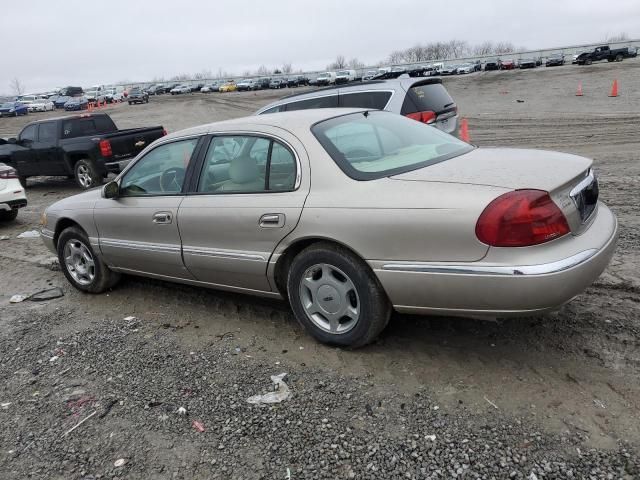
<point>87,146</point>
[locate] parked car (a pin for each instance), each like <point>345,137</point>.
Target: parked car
<point>41,106</point>
<point>96,96</point>
<point>527,63</point>
<point>137,95</point>
<point>87,146</point>
<point>508,64</point>
<point>313,81</point>
<point>180,89</point>
<point>297,81</point>
<point>113,95</point>
<point>72,91</point>
<point>277,83</point>
<point>555,59</point>
<point>13,109</point>
<point>157,89</point>
<point>449,70</point>
<point>466,68</point>
<point>211,87</point>
<point>632,52</point>
<point>246,84</point>
<point>493,64</point>
<point>12,195</point>
<point>602,53</point>
<point>477,66</point>
<point>61,100</point>
<point>369,75</point>
<point>76,103</point>
<point>229,86</point>
<point>413,220</point>
<point>196,87</point>
<point>345,76</point>
<point>263,82</point>
<point>326,78</point>
<point>422,99</point>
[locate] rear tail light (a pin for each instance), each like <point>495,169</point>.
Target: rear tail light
<point>105,148</point>
<point>424,117</point>
<point>8,173</point>
<point>521,218</point>
<point>164,132</point>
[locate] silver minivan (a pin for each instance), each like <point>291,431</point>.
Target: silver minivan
<point>422,99</point>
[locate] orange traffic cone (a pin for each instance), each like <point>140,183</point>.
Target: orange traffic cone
<point>614,89</point>
<point>579,92</point>
<point>464,130</point>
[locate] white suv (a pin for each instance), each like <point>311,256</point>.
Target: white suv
<point>12,196</point>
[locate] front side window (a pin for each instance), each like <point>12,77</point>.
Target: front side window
<point>372,145</point>
<point>29,134</point>
<point>161,171</point>
<point>247,164</point>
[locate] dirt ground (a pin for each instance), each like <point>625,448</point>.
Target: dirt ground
<point>556,396</point>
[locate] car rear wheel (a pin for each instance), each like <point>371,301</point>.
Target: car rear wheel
<point>619,57</point>
<point>8,215</point>
<point>86,174</point>
<point>336,297</point>
<point>83,268</point>
<point>588,61</point>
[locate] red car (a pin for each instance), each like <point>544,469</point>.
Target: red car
<point>508,65</point>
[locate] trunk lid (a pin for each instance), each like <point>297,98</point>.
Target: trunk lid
<point>568,178</point>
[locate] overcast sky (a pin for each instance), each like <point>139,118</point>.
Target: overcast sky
<point>49,43</point>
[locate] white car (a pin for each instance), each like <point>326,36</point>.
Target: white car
<point>112,95</point>
<point>180,89</point>
<point>12,196</point>
<point>466,68</point>
<point>42,105</point>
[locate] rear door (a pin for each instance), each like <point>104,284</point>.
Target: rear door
<point>50,158</point>
<point>139,230</point>
<point>248,197</point>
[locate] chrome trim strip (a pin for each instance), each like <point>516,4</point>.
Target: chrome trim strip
<point>584,183</point>
<point>230,254</point>
<point>501,270</point>
<point>143,246</point>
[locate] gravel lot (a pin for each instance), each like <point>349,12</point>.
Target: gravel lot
<point>551,397</point>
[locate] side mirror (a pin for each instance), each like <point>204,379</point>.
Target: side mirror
<point>13,140</point>
<point>111,190</point>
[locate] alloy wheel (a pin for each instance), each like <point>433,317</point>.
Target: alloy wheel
<point>329,298</point>
<point>79,262</point>
<point>84,176</point>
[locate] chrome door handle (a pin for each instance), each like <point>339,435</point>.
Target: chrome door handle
<point>272,220</point>
<point>162,217</point>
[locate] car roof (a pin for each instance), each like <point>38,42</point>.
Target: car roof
<point>69,117</point>
<point>294,121</point>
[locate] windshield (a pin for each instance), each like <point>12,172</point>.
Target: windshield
<point>343,72</point>
<point>6,105</point>
<point>373,145</point>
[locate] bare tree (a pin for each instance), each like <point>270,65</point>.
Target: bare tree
<point>620,37</point>
<point>262,71</point>
<point>203,75</point>
<point>17,86</point>
<point>286,68</point>
<point>504,47</point>
<point>355,64</point>
<point>338,64</point>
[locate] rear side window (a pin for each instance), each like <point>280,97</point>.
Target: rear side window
<point>47,132</point>
<point>330,101</point>
<point>370,100</point>
<point>431,97</point>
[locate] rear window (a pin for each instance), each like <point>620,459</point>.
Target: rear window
<point>372,145</point>
<point>431,97</point>
<point>370,100</point>
<point>82,127</point>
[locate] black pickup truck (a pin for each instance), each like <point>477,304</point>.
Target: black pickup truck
<point>602,53</point>
<point>86,147</point>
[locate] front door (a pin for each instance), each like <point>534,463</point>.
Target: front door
<point>25,156</point>
<point>139,229</point>
<point>249,196</point>
<point>50,160</point>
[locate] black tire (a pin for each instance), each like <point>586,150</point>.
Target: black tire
<point>588,61</point>
<point>23,181</point>
<point>129,103</point>
<point>619,57</point>
<point>8,215</point>
<point>103,278</point>
<point>372,302</point>
<point>86,174</point>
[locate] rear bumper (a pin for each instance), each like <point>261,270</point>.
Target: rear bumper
<point>491,288</point>
<point>8,205</point>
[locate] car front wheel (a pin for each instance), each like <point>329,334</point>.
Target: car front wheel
<point>8,215</point>
<point>336,297</point>
<point>83,268</point>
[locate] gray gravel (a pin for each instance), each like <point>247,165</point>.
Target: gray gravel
<point>135,375</point>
